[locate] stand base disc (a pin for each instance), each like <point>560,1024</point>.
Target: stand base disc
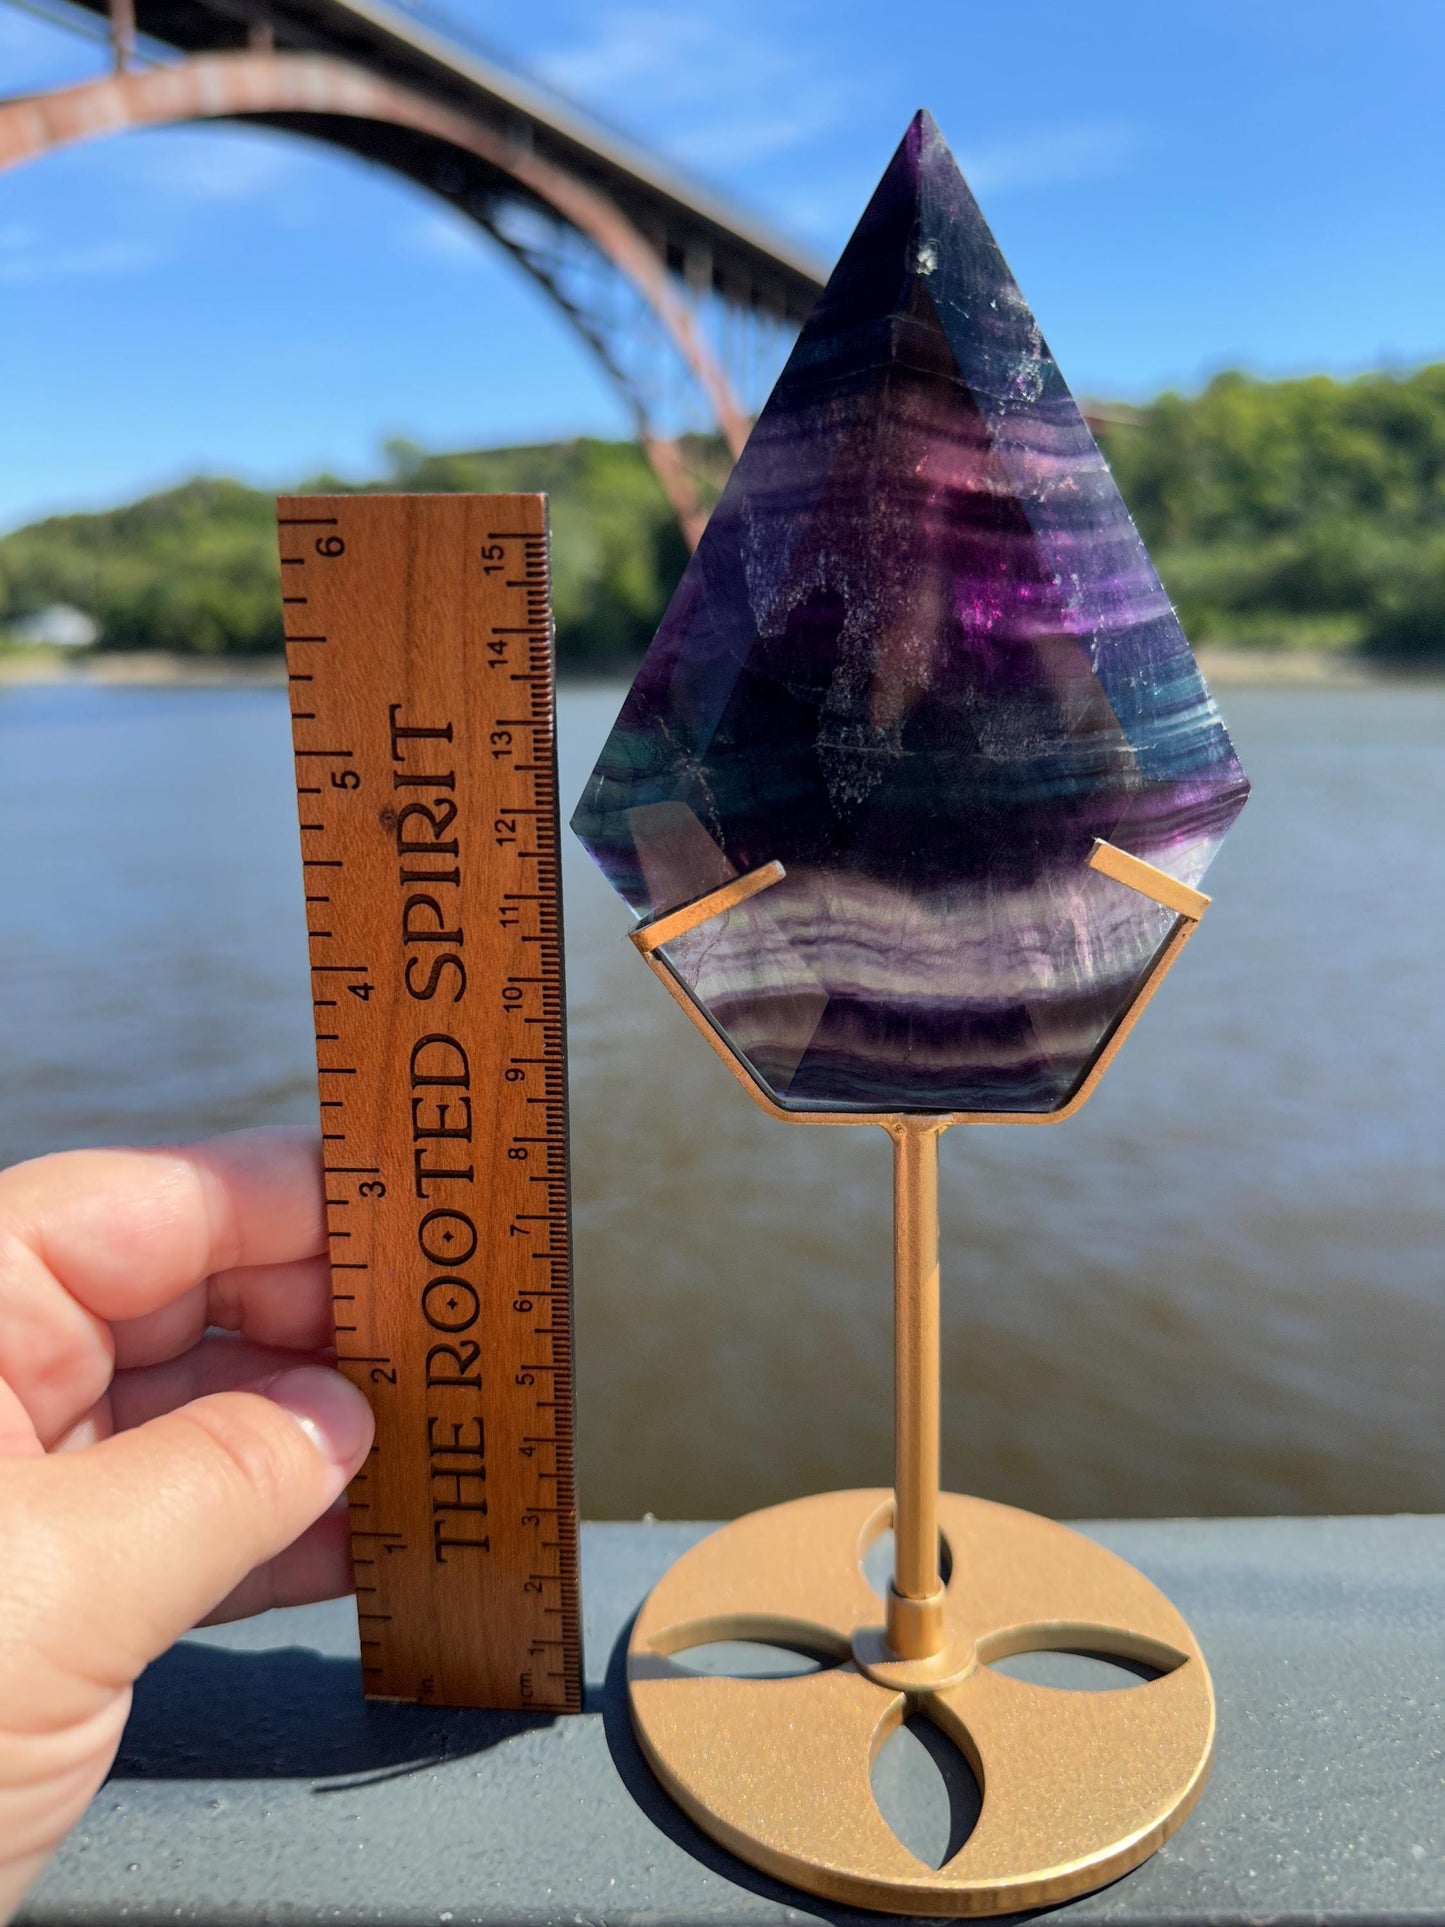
<point>1078,1787</point>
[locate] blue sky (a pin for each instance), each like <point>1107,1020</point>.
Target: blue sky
<point>1179,188</point>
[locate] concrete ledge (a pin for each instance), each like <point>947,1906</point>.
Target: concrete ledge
<point>254,1785</point>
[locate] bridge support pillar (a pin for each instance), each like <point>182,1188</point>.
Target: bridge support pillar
<point>122,33</point>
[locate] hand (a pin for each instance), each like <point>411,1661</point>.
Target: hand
<point>153,1473</point>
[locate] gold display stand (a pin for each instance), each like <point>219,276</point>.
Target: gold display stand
<point>1078,1787</point>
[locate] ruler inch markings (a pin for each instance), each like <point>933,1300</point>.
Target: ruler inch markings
<point>418,599</point>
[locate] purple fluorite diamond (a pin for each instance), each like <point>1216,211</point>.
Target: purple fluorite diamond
<point>922,658</point>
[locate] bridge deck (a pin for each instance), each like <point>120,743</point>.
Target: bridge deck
<point>696,232</point>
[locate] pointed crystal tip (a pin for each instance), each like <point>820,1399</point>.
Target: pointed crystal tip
<point>921,658</point>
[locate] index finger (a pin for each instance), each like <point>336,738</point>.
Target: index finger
<point>88,1238</point>
<point>125,1231</point>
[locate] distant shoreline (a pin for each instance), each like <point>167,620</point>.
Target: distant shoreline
<point>143,668</point>
<point>1223,667</point>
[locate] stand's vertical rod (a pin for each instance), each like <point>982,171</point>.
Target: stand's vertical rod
<point>915,1598</point>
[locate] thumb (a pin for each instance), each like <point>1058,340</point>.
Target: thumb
<point>153,1527</point>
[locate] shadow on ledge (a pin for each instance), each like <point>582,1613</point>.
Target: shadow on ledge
<point>214,1713</point>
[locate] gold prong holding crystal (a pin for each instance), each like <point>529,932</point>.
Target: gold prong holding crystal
<point>657,931</point>
<point>1148,881</point>
<point>1077,1787</point>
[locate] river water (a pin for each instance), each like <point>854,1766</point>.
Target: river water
<point>1219,1289</point>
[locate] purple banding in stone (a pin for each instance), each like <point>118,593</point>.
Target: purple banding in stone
<point>922,658</point>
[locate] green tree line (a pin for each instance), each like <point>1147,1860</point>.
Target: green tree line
<point>195,570</point>
<point>1306,513</point>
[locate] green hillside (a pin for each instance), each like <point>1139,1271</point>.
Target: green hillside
<point>1297,512</point>
<point>194,569</point>
<point>1304,513</point>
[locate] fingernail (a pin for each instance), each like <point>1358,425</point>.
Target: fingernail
<point>328,1408</point>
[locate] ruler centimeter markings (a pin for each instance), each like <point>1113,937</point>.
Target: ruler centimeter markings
<point>419,657</point>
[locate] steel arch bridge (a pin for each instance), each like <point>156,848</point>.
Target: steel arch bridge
<point>687,305</point>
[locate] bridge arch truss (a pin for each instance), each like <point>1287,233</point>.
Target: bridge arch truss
<point>688,312</point>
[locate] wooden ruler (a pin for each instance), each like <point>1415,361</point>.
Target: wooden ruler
<point>422,712</point>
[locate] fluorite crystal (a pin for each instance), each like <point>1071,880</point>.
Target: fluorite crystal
<point>922,658</point>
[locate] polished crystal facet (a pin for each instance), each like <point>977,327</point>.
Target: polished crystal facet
<point>921,658</point>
